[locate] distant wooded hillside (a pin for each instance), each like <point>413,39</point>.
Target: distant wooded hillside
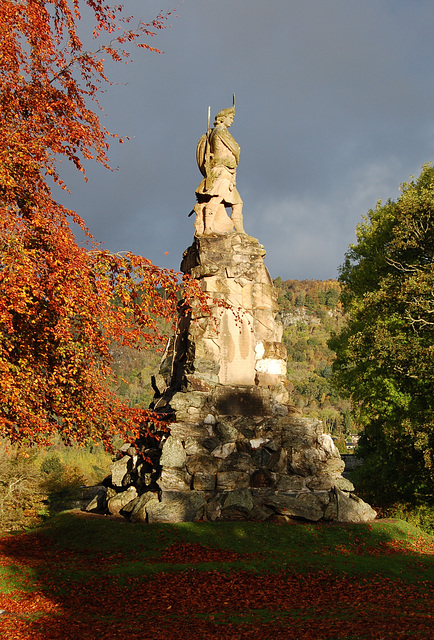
<point>310,311</point>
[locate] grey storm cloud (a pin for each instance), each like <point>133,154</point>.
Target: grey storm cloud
<point>334,109</point>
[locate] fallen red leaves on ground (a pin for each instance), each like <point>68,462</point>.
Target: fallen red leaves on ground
<point>188,553</point>
<point>212,605</point>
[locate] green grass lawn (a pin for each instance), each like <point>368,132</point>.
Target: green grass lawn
<point>82,576</point>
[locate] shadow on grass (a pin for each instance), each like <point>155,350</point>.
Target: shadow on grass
<point>83,576</point>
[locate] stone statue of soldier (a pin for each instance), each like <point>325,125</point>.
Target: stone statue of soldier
<point>217,158</point>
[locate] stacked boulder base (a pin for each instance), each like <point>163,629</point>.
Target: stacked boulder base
<point>234,468</point>
<point>236,449</point>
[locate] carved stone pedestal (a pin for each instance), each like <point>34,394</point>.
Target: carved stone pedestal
<point>237,448</point>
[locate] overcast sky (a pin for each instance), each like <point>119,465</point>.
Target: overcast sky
<point>334,109</point>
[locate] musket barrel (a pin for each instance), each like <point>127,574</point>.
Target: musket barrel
<point>208,180</point>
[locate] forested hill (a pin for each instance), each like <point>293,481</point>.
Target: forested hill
<point>310,310</point>
<point>316,295</point>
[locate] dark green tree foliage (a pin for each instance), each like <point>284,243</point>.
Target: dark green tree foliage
<point>385,351</point>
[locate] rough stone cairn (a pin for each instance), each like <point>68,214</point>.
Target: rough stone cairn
<point>236,449</point>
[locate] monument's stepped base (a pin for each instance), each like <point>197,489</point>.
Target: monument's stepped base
<point>236,449</point>
<point>214,467</point>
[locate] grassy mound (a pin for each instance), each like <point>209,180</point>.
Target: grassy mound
<point>82,576</point>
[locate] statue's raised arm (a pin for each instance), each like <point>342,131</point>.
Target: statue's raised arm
<point>217,157</point>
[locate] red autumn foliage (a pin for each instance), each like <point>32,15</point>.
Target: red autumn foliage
<point>285,605</point>
<point>63,305</point>
<point>189,553</point>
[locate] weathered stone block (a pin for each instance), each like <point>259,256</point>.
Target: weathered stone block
<point>224,450</point>
<point>265,326</point>
<point>343,484</point>
<point>261,493</point>
<point>193,446</point>
<point>273,444</point>
<point>120,468</point>
<point>176,479</point>
<point>262,297</point>
<point>194,383</point>
<point>273,350</point>
<point>244,446</point>
<point>333,467</point>
<point>239,500</point>
<point>300,432</point>
<point>353,509</point>
<point>129,507</point>
<point>177,507</point>
<point>173,454</point>
<point>312,461</point>
<point>306,505</point>
<point>262,478</point>
<point>193,412</point>
<point>111,492</point>
<point>99,501</point>
<point>184,430</point>
<point>331,510</point>
<point>237,461</point>
<point>129,478</point>
<point>279,409</point>
<point>258,443</point>
<point>278,461</point>
<point>226,432</point>
<point>259,513</point>
<point>138,514</point>
<point>230,480</point>
<point>211,444</point>
<point>325,441</point>
<point>117,502</point>
<point>208,366</point>
<point>192,399</point>
<point>213,507</point>
<point>290,483</point>
<point>204,481</point>
<point>304,462</point>
<point>320,482</point>
<point>202,463</point>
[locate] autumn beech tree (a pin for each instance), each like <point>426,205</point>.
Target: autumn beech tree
<point>63,305</point>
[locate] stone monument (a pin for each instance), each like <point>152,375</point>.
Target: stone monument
<point>217,157</point>
<point>236,447</point>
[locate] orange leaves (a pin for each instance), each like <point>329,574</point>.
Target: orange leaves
<point>46,80</point>
<point>195,553</point>
<point>53,591</point>
<point>61,306</point>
